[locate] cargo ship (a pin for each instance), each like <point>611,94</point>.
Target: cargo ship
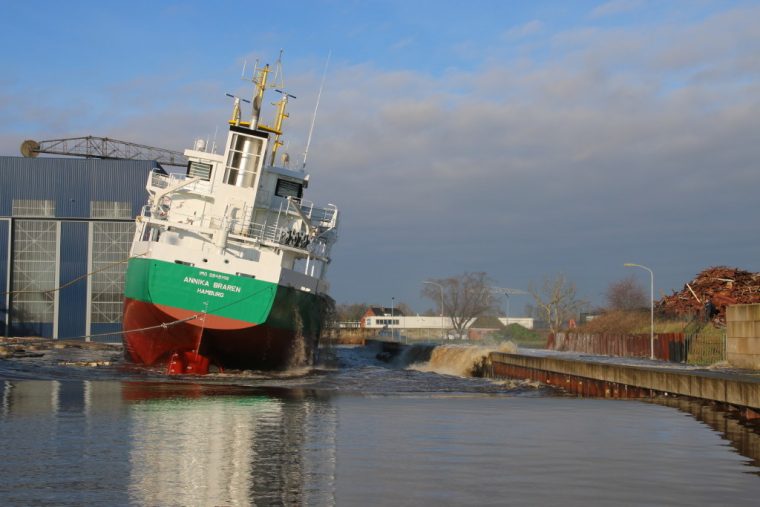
<point>227,266</point>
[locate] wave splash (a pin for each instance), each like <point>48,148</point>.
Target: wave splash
<point>460,360</point>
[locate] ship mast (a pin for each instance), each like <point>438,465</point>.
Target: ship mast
<point>260,79</point>
<point>258,96</point>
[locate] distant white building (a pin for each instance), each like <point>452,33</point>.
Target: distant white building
<point>381,318</point>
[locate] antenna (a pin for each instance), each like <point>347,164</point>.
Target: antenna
<point>314,116</point>
<point>278,71</point>
<point>285,93</point>
<point>213,145</point>
<point>281,115</point>
<point>237,98</point>
<point>253,74</point>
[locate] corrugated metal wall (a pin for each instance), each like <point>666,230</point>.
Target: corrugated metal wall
<point>73,185</point>
<point>674,347</point>
<point>4,234</point>
<point>72,300</point>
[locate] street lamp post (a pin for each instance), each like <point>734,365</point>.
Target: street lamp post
<point>393,334</point>
<point>651,305</point>
<point>440,287</point>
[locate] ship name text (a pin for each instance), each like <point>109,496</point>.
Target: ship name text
<point>212,285</point>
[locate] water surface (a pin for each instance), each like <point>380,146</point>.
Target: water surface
<point>359,433</point>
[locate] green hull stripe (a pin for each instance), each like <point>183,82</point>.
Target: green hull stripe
<point>198,290</point>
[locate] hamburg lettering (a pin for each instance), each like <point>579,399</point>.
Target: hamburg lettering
<point>209,292</point>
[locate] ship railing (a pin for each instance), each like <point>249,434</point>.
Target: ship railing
<point>307,207</point>
<point>254,231</point>
<point>260,232</point>
<point>160,180</point>
<point>324,216</point>
<point>317,216</point>
<point>245,229</point>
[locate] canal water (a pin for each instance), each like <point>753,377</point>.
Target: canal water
<point>356,432</point>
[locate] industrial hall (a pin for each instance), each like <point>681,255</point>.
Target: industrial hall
<point>66,226</point>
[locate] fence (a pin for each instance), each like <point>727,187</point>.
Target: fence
<point>704,350</point>
<point>674,347</point>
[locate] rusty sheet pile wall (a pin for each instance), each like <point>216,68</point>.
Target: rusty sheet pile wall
<point>589,378</point>
<point>667,346</point>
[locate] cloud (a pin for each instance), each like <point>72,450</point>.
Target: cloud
<point>530,28</point>
<point>402,43</point>
<point>615,7</point>
<point>605,146</point>
<point>577,163</point>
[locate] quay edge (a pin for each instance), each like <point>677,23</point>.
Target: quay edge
<point>589,378</point>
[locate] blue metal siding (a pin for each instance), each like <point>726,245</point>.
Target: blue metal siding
<point>4,232</point>
<point>72,302</point>
<point>18,328</point>
<point>72,183</point>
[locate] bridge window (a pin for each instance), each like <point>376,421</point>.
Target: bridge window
<point>243,161</point>
<point>287,188</point>
<point>199,170</point>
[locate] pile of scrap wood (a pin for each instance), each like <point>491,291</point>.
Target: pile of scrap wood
<point>711,291</point>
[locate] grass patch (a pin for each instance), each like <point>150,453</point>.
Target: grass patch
<point>521,336</point>
<point>620,322</point>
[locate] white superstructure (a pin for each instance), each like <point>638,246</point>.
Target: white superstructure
<point>238,214</point>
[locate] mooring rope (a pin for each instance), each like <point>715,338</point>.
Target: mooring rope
<point>71,282</point>
<point>166,325</point>
<point>163,325</point>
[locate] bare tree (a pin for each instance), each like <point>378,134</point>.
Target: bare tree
<point>404,309</point>
<point>556,301</point>
<point>350,312</point>
<point>465,298</point>
<point>626,294</point>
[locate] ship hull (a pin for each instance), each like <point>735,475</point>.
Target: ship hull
<point>252,325</point>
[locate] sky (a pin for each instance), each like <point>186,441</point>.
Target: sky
<point>521,139</point>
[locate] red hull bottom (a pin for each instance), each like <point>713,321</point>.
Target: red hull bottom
<point>260,347</point>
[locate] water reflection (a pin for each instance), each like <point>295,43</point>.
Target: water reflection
<point>745,439</point>
<point>190,448</point>
<point>183,444</point>
<point>170,443</point>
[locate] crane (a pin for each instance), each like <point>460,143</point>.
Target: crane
<point>102,147</point>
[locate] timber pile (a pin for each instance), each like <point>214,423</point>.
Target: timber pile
<point>720,284</point>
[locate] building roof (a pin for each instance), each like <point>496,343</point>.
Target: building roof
<point>381,311</point>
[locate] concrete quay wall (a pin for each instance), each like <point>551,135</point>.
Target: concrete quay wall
<point>616,380</point>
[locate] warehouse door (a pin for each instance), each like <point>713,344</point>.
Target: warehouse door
<point>109,251</point>
<point>35,273</point>
<point>5,228</point>
<point>73,283</point>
